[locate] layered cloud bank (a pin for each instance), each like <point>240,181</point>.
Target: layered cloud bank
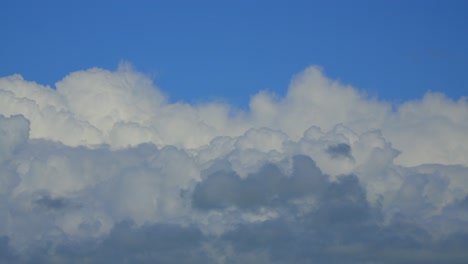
<point>105,169</point>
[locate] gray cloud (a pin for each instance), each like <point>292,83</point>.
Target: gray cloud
<point>341,150</point>
<point>338,225</point>
<point>157,243</point>
<point>342,227</point>
<point>267,187</point>
<point>345,228</point>
<point>52,203</point>
<point>7,254</point>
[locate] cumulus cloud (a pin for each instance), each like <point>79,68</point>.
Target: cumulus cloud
<point>266,187</point>
<point>105,169</point>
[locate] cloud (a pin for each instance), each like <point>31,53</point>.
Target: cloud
<point>267,187</point>
<point>52,203</point>
<point>14,132</point>
<point>340,150</point>
<point>105,169</point>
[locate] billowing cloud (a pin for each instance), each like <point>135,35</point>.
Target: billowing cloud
<point>267,187</point>
<point>105,169</point>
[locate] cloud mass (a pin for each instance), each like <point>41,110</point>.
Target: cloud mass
<point>104,168</point>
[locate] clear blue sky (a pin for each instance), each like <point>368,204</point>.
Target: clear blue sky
<point>200,50</point>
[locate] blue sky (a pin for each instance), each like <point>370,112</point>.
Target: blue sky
<point>202,50</point>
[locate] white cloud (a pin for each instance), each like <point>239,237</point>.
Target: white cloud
<point>105,149</point>
<point>430,130</point>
